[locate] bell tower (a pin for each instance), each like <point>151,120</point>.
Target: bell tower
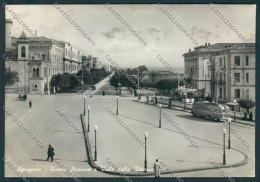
<point>23,60</point>
<point>23,47</point>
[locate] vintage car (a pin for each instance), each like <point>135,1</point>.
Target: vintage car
<point>210,110</point>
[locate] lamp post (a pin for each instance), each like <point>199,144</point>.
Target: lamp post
<point>235,101</point>
<point>224,153</point>
<point>119,87</point>
<point>84,105</point>
<point>160,115</point>
<point>145,154</point>
<point>117,97</point>
<point>96,128</point>
<point>229,122</point>
<point>88,116</point>
<point>185,101</point>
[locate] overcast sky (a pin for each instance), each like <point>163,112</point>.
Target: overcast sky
<point>162,36</point>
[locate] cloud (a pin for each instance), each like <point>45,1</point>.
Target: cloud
<point>201,33</point>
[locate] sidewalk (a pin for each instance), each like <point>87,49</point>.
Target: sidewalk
<point>166,143</point>
<point>181,108</point>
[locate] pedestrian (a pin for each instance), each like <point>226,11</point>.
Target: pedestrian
<point>157,169</point>
<point>103,93</point>
<point>50,153</point>
<point>30,104</point>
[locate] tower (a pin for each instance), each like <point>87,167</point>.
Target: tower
<point>23,47</point>
<point>8,28</point>
<point>23,60</point>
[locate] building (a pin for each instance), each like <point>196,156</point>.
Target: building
<point>71,58</point>
<point>89,62</point>
<point>38,59</point>
<point>158,75</point>
<point>224,71</point>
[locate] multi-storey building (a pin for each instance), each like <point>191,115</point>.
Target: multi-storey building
<point>72,58</point>
<point>89,62</point>
<point>224,71</point>
<point>155,76</point>
<point>233,72</point>
<point>38,59</point>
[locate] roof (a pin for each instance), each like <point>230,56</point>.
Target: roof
<point>23,36</point>
<point>219,47</point>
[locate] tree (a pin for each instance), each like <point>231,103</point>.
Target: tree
<point>167,84</point>
<point>186,82</point>
<point>125,79</point>
<point>247,104</point>
<point>10,77</point>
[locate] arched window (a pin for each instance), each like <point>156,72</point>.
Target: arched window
<point>22,51</point>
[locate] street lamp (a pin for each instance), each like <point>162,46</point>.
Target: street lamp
<point>119,87</point>
<point>235,101</point>
<point>84,105</point>
<point>160,115</point>
<point>96,128</point>
<point>185,101</point>
<point>229,122</point>
<point>88,117</point>
<point>82,85</point>
<point>224,153</point>
<point>117,97</point>
<point>145,155</point>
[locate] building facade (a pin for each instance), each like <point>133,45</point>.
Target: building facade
<point>224,71</point>
<point>71,58</point>
<point>89,62</point>
<point>155,76</point>
<point>37,60</point>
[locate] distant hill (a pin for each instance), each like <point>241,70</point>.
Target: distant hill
<point>177,69</point>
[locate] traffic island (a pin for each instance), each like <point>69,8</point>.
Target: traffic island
<point>195,160</point>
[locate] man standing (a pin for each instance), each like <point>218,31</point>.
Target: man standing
<point>30,104</point>
<point>50,153</point>
<point>157,169</point>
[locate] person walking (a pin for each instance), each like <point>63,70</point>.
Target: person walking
<point>103,93</point>
<point>157,169</point>
<point>50,153</point>
<point>30,104</point>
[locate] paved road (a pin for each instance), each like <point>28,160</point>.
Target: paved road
<point>114,141</point>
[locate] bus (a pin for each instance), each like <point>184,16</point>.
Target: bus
<point>210,110</point>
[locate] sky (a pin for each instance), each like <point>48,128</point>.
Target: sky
<point>112,38</point>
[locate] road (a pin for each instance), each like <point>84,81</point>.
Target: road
<point>114,141</point>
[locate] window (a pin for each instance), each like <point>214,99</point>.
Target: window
<point>247,61</point>
<point>237,77</point>
<point>45,72</point>
<point>237,60</point>
<point>32,57</point>
<point>220,76</point>
<point>220,92</point>
<point>36,71</point>
<point>247,77</point>
<point>220,61</point>
<point>224,62</point>
<point>43,56</point>
<point>23,51</point>
<point>224,93</point>
<point>237,93</point>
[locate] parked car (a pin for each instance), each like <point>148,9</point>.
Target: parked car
<point>210,110</point>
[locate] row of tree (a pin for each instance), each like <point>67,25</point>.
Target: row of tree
<point>70,82</point>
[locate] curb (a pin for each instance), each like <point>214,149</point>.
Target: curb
<point>188,111</point>
<point>95,166</point>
